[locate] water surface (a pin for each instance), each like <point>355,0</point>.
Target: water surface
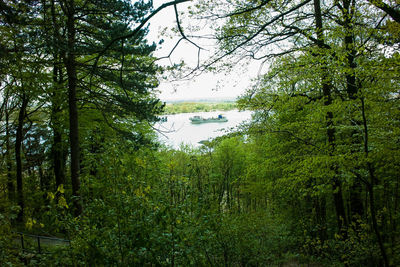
<point>178,129</point>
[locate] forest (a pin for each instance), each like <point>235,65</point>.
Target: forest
<point>312,180</point>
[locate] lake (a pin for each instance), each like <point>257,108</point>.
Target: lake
<point>178,129</point>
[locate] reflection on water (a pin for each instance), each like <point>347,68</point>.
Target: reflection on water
<point>178,129</point>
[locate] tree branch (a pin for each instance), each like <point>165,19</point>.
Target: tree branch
<point>259,31</point>
<point>391,11</point>
<point>136,31</point>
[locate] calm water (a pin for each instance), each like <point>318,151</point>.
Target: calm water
<point>178,129</point>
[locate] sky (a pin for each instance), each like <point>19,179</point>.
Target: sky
<point>206,86</point>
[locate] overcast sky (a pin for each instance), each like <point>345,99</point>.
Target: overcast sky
<point>226,85</point>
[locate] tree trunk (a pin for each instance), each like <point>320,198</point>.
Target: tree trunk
<point>58,157</point>
<point>356,203</point>
<point>18,160</point>
<point>73,108</point>
<point>326,90</point>
<point>370,187</point>
<point>10,180</point>
<point>58,149</point>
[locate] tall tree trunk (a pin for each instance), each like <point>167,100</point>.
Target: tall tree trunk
<point>18,160</point>
<point>73,108</point>
<point>356,203</point>
<point>10,180</point>
<point>370,188</point>
<point>326,90</point>
<point>58,149</point>
<point>58,156</point>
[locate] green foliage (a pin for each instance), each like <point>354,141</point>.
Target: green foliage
<point>188,107</point>
<point>313,178</point>
<point>8,253</point>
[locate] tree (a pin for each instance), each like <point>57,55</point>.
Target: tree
<point>124,74</point>
<point>331,40</point>
<point>22,80</point>
<point>94,53</point>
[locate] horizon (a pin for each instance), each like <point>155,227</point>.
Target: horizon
<point>198,99</point>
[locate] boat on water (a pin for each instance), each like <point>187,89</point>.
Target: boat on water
<point>199,119</point>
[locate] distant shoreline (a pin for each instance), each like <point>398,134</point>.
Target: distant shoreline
<point>192,107</point>
<point>200,100</point>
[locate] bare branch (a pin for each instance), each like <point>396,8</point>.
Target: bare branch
<point>263,3</point>
<point>137,30</point>
<point>259,31</point>
<point>180,29</point>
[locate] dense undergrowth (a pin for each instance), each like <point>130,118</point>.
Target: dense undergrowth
<point>186,207</point>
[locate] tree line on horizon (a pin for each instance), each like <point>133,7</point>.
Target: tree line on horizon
<point>190,107</point>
